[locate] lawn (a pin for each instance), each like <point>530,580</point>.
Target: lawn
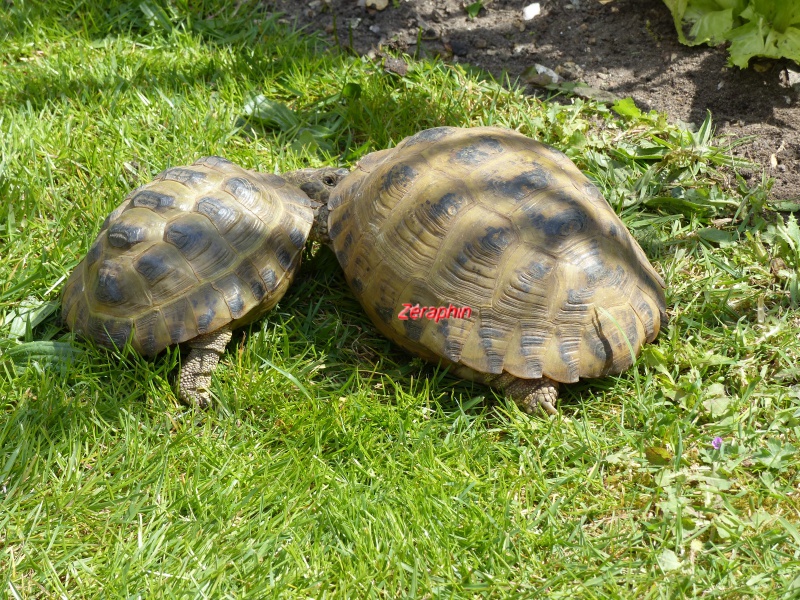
<point>332,464</point>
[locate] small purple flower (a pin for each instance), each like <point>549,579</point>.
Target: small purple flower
<point>716,443</point>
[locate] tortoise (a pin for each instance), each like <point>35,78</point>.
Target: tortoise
<point>190,256</point>
<point>491,253</point>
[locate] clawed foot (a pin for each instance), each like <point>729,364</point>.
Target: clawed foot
<point>535,395</point>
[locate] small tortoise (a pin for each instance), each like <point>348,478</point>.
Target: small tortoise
<point>492,253</point>
<point>190,256</point>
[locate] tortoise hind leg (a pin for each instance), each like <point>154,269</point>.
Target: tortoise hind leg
<point>195,376</point>
<point>533,395</point>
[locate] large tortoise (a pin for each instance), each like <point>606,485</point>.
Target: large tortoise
<point>492,253</point>
<point>190,256</point>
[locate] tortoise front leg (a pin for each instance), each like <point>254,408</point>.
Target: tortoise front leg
<point>195,375</point>
<point>533,395</point>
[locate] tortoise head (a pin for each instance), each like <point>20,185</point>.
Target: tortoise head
<point>317,184</point>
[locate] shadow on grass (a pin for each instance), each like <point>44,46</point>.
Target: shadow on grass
<point>96,386</point>
<point>127,23</point>
<point>260,52</point>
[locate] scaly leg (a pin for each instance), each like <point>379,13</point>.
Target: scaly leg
<point>195,376</point>
<point>533,395</point>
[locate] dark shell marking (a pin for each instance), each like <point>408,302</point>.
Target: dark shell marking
<point>200,247</point>
<point>153,200</point>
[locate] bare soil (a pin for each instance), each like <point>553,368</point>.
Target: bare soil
<point>626,47</point>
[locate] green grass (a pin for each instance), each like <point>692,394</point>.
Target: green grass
<point>333,465</point>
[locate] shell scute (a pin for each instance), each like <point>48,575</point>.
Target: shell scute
<point>427,136</point>
<point>439,213</point>
<point>398,178</point>
<point>209,308</point>
<point>180,319</point>
<point>236,294</point>
<point>189,235</point>
<point>216,163</point>
<point>248,274</point>
<point>163,270</point>
<point>247,194</point>
<point>153,200</point>
<point>95,252</point>
<point>125,235</point>
<point>222,215</point>
<point>270,279</point>
<point>521,185</point>
<point>116,288</point>
<point>187,176</point>
<point>479,151</point>
<point>150,328</point>
<point>108,331</point>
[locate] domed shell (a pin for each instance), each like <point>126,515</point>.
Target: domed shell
<point>198,248</point>
<point>489,220</point>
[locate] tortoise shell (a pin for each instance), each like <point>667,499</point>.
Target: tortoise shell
<point>198,248</point>
<point>489,220</point>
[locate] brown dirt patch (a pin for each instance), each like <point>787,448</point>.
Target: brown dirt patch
<point>627,47</point>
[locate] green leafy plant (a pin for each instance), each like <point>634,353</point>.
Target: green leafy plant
<point>785,240</point>
<point>769,28</point>
<point>473,9</point>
